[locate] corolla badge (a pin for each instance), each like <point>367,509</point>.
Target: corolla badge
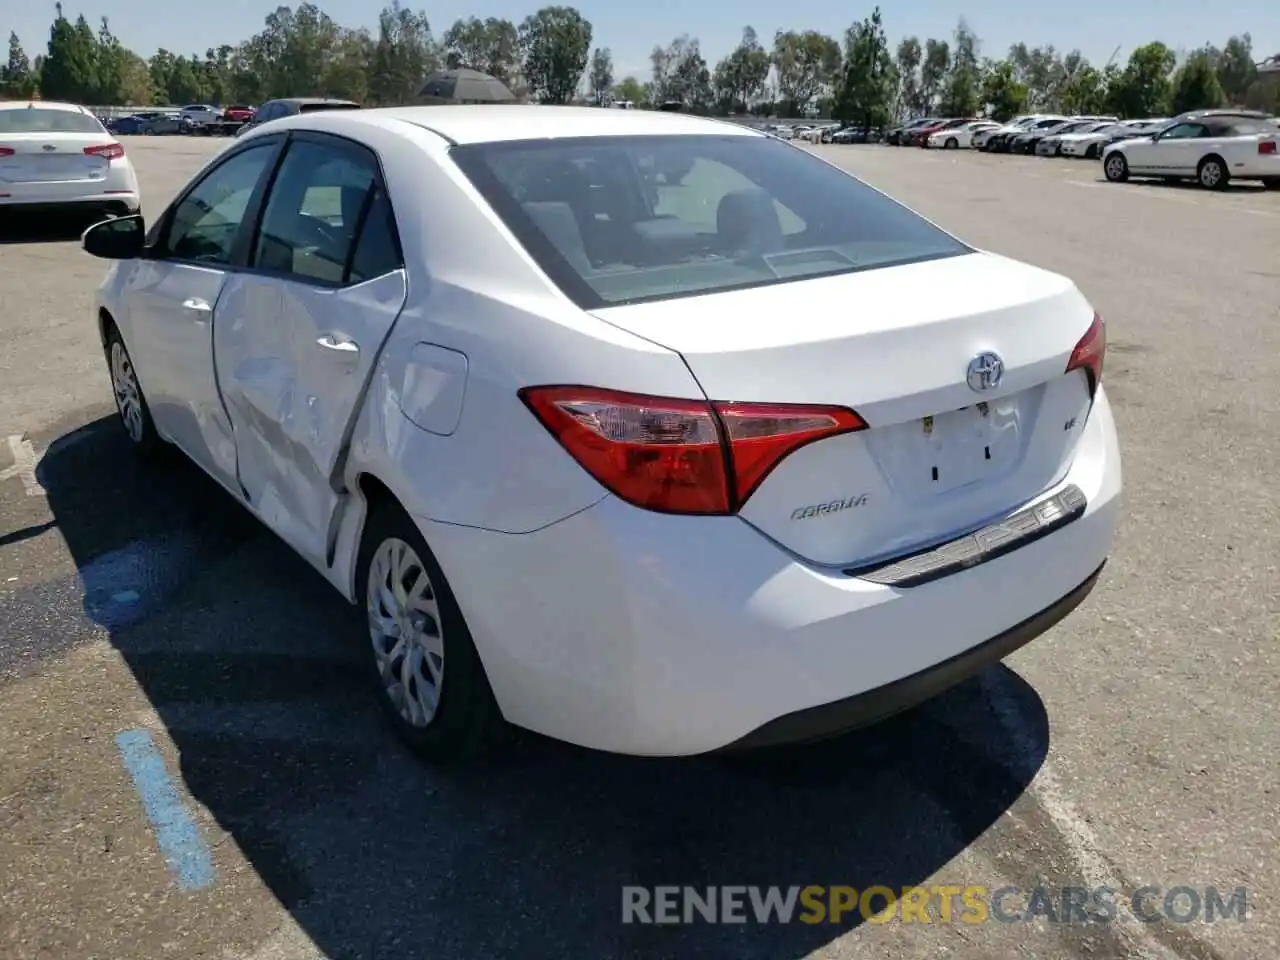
<point>985,371</point>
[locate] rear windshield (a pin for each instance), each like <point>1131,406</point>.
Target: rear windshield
<point>616,220</point>
<point>38,120</point>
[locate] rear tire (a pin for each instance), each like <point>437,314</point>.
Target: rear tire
<point>1271,183</point>
<point>422,662</point>
<point>1212,174</point>
<point>131,402</point>
<point>1116,168</point>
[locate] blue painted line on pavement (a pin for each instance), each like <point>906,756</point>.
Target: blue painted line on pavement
<point>184,849</point>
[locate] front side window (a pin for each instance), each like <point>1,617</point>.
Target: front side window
<point>617,220</point>
<point>205,222</point>
<point>319,201</point>
<point>1183,131</point>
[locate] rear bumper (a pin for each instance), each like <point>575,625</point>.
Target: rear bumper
<point>77,206</point>
<point>656,635</point>
<point>863,709</point>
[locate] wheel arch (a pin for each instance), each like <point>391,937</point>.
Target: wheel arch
<point>106,322</point>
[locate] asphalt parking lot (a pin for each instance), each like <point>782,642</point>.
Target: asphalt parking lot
<point>164,658</point>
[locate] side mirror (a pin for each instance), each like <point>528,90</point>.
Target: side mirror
<point>122,238</point>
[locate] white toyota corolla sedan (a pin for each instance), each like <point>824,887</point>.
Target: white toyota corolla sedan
<point>647,432</point>
<point>58,157</point>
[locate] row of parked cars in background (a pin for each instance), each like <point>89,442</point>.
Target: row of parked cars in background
<point>1212,147</point>
<point>193,119</point>
<point>205,119</point>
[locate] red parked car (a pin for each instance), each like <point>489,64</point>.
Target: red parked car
<point>238,114</point>
<point>920,136</point>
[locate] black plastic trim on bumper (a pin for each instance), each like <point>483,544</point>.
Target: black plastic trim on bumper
<point>863,709</point>
<point>992,541</point>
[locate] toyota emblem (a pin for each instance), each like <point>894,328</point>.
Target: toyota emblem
<point>985,371</point>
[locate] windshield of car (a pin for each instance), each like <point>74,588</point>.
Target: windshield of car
<point>616,220</point>
<point>40,120</point>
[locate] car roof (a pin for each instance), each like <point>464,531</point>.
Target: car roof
<point>493,123</point>
<point>1242,114</point>
<point>42,105</point>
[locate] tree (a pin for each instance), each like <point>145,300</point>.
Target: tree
<point>806,64</point>
<point>740,77</point>
<point>1003,95</point>
<point>1236,69</point>
<point>555,43</point>
<point>600,76</point>
<point>491,46</point>
<point>1196,85</point>
<point>17,78</point>
<point>1143,89</point>
<point>933,72</point>
<point>68,70</point>
<point>404,54</point>
<point>962,92</point>
<point>1084,92</point>
<point>631,90</point>
<point>908,64</point>
<point>867,81</point>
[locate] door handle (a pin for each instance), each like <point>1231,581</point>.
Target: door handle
<point>199,307</point>
<point>347,348</point>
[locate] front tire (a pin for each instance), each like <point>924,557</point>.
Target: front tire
<point>952,144</point>
<point>426,671</point>
<point>1092,152</point>
<point>131,402</point>
<point>1116,168</point>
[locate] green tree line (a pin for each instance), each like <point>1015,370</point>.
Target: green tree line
<point>549,57</point>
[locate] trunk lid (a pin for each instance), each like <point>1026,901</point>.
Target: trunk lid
<point>52,157</point>
<point>940,458</point>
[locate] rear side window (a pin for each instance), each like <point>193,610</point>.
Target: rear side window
<point>39,120</point>
<point>616,220</point>
<point>324,201</point>
<point>377,251</point>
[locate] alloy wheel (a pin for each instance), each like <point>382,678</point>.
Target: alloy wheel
<point>405,630</point>
<point>124,382</point>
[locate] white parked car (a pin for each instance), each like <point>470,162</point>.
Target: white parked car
<point>1213,147</point>
<point>59,156</point>
<point>961,137</point>
<point>1051,145</point>
<point>1090,145</point>
<point>550,417</point>
<point>998,140</point>
<point>202,113</point>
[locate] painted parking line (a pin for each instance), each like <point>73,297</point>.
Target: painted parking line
<point>184,849</point>
<point>25,461</point>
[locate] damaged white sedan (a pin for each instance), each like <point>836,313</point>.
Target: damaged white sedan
<point>647,432</point>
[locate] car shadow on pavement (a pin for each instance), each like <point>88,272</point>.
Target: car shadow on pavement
<point>247,658</point>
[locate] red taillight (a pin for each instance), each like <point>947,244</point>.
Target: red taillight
<point>680,456</point>
<point>1089,353</point>
<point>6,151</point>
<point>108,151</point>
<point>1267,147</point>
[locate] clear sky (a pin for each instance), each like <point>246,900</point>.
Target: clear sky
<point>631,29</point>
